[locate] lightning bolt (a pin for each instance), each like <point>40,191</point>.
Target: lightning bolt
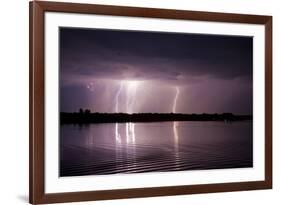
<point>117,134</point>
<point>117,97</point>
<point>176,99</point>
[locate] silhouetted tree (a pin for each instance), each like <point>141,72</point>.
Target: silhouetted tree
<point>81,111</point>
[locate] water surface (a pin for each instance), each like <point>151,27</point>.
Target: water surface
<point>113,148</point>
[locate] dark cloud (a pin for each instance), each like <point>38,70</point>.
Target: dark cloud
<point>117,54</point>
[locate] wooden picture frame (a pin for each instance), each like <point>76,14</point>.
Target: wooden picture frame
<point>37,194</point>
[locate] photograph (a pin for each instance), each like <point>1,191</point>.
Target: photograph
<point>133,101</point>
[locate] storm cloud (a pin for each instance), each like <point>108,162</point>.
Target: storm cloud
<point>213,72</point>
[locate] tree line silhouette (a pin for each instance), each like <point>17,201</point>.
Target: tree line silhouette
<point>85,116</point>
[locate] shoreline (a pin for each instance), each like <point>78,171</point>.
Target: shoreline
<point>88,118</point>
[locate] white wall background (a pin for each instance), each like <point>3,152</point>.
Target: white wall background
<point>14,101</point>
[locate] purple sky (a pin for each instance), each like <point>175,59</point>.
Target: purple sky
<point>134,71</point>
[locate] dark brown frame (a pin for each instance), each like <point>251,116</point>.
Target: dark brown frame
<point>37,194</point>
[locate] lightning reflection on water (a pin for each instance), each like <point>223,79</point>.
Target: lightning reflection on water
<point>130,89</point>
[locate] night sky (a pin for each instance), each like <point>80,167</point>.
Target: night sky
<point>157,72</point>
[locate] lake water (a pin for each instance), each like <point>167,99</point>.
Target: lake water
<point>113,148</point>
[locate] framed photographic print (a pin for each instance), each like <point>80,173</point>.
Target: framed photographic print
<point>139,102</point>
